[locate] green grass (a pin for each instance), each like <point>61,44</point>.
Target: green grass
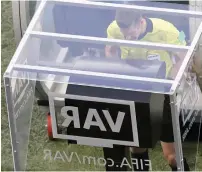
<point>7,50</point>
<point>39,142</point>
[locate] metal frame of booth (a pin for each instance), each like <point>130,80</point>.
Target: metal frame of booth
<point>85,39</point>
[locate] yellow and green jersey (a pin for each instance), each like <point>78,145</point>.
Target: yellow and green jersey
<point>159,31</point>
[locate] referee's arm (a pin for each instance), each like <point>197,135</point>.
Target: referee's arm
<point>110,50</point>
<point>113,50</point>
<point>176,38</point>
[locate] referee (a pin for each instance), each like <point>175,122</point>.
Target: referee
<point>131,25</point>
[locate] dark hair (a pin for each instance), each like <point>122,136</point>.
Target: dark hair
<point>125,18</point>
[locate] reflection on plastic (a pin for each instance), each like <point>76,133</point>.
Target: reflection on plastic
<point>65,157</point>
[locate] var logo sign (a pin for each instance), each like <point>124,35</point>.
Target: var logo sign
<point>92,113</point>
<point>95,121</point>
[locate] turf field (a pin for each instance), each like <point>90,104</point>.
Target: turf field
<point>58,155</point>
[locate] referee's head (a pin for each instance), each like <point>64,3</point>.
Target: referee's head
<point>130,23</point>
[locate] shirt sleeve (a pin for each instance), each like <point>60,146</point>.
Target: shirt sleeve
<point>175,37</point>
<point>113,32</point>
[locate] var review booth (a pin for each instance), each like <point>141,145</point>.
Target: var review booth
<point>92,109</point>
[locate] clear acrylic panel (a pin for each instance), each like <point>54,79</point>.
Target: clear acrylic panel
<point>86,63</point>
<point>190,108</point>
<point>22,100</point>
<point>66,153</point>
<point>71,146</point>
<point>93,21</point>
<point>148,63</point>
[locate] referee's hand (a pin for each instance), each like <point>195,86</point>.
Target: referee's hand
<point>112,51</point>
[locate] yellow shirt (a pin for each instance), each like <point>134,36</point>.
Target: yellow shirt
<point>162,32</point>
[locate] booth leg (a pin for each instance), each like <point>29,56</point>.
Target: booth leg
<point>12,125</point>
<point>115,158</point>
<point>177,133</point>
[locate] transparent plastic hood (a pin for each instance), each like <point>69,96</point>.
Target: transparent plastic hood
<point>73,48</point>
